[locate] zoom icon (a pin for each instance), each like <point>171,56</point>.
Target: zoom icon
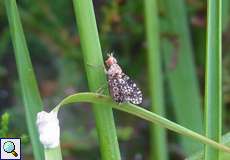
<point>10,148</point>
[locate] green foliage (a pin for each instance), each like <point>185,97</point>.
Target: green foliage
<point>53,154</point>
<point>140,112</point>
<point>5,118</point>
<point>31,97</point>
<point>25,139</point>
<point>124,133</point>
<point>94,66</point>
<point>57,59</point>
<point>213,85</point>
<point>158,135</point>
<point>180,69</point>
<point>223,155</point>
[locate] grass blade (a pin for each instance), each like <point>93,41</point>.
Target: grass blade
<point>180,70</point>
<point>94,65</point>
<point>106,101</point>
<point>213,86</point>
<point>53,154</point>
<point>223,155</point>
<point>30,93</point>
<point>225,14</point>
<point>158,134</point>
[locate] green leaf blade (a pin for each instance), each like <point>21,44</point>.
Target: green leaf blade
<point>94,65</point>
<point>180,70</point>
<point>105,101</point>
<point>53,154</point>
<point>158,134</point>
<point>213,86</point>
<point>30,93</point>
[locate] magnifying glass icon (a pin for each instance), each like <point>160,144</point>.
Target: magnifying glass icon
<point>9,147</point>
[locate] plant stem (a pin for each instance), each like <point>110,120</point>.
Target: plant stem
<point>31,98</point>
<point>213,86</point>
<point>53,154</point>
<point>158,134</point>
<point>106,101</point>
<point>223,155</point>
<point>93,60</point>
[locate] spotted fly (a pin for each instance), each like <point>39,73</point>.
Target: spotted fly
<point>121,87</point>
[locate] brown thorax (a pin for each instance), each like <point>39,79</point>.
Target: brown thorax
<point>113,68</point>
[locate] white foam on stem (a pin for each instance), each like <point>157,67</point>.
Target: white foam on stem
<point>49,129</point>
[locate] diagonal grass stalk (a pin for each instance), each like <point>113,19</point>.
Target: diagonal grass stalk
<point>158,134</point>
<point>223,155</point>
<point>105,101</point>
<point>93,60</point>
<point>30,93</point>
<point>213,86</point>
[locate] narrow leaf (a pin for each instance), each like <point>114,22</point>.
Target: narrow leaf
<point>93,60</point>
<point>53,154</point>
<point>158,134</point>
<point>30,93</point>
<point>213,86</point>
<point>180,69</point>
<point>106,102</point>
<point>223,155</point>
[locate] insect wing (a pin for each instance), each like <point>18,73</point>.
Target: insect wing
<point>131,92</point>
<point>115,89</point>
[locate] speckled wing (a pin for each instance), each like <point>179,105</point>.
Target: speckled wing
<point>131,91</point>
<point>115,89</point>
<point>123,89</point>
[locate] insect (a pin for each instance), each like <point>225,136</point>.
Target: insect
<point>121,87</point>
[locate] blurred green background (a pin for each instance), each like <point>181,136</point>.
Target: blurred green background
<point>54,45</point>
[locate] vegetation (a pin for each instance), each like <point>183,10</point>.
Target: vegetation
<point>164,50</point>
